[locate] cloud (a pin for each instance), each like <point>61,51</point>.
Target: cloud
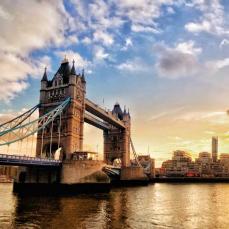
<point>224,42</point>
<point>86,41</point>
<point>135,65</point>
<point>188,47</point>
<point>218,64</point>
<point>212,117</point>
<point>71,40</point>
<point>128,43</point>
<point>103,37</point>
<point>34,27</point>
<point>142,14</point>
<point>198,27</point>
<point>180,61</point>
<point>139,28</point>
<point>100,54</point>
<point>212,19</point>
<point>80,62</point>
<point>166,114</point>
<point>24,27</point>
<point>108,16</point>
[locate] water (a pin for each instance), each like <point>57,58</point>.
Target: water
<point>154,206</point>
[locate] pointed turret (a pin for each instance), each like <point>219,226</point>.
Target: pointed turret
<point>73,71</point>
<point>117,111</point>
<point>128,112</point>
<point>64,70</point>
<point>45,77</point>
<point>83,77</point>
<point>124,112</point>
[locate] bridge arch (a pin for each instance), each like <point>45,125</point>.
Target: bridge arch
<point>51,154</point>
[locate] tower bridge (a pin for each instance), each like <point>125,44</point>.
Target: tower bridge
<point>63,110</point>
<point>115,124</point>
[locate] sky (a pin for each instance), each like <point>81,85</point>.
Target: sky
<point>166,60</point>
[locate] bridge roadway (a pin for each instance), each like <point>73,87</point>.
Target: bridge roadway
<point>106,116</point>
<point>15,160</point>
<point>95,122</point>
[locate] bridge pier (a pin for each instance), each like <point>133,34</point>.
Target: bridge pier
<point>30,180</point>
<point>74,176</point>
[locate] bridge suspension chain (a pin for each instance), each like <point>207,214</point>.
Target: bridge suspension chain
<point>135,153</point>
<point>20,131</point>
<point>18,120</point>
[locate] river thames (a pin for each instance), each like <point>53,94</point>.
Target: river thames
<point>153,206</point>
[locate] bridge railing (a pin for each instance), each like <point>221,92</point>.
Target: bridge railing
<point>27,158</point>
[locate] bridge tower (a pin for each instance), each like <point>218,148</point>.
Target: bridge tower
<point>65,83</point>
<point>117,141</point>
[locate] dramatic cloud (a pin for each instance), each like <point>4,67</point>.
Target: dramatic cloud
<point>24,27</point>
<point>15,70</point>
<point>33,26</point>
<point>180,61</point>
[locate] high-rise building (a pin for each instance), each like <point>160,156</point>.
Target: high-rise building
<point>214,149</point>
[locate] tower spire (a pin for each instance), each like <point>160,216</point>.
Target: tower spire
<point>65,60</point>
<point>45,78</point>
<point>83,77</point>
<point>73,71</point>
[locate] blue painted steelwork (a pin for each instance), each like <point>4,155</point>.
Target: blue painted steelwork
<point>18,120</point>
<point>22,131</point>
<point>28,161</point>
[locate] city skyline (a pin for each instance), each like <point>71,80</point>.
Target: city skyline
<point>169,66</point>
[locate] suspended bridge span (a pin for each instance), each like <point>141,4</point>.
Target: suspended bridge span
<point>28,161</point>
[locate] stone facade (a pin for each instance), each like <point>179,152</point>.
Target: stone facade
<point>117,141</point>
<point>65,83</point>
<point>85,171</point>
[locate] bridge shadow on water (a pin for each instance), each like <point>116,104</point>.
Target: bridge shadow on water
<point>81,211</point>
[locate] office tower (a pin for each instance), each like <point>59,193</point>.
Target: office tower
<point>214,148</point>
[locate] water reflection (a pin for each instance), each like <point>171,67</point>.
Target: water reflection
<point>155,206</point>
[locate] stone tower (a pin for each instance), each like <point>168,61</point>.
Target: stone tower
<point>117,141</point>
<point>65,83</point>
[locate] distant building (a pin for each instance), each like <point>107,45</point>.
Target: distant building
<point>206,165</point>
<point>214,149</point>
<point>180,165</point>
<point>204,162</point>
<point>224,161</point>
<point>204,157</point>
